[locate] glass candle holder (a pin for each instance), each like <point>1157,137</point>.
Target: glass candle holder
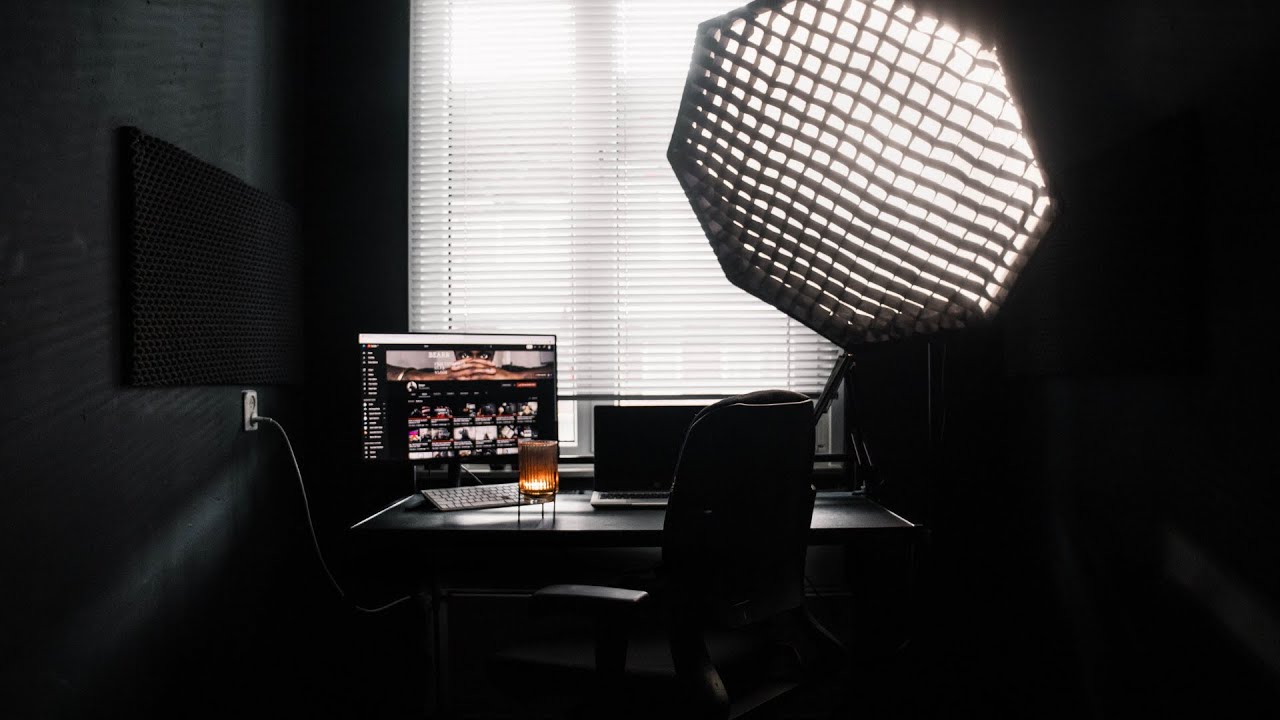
<point>539,468</point>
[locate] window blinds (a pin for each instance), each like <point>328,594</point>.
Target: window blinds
<point>541,201</point>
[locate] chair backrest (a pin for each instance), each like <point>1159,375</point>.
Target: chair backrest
<point>738,517</point>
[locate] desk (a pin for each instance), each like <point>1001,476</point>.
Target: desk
<point>577,536</point>
<point>837,518</point>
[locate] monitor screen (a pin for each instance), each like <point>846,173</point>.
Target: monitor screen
<point>441,397</point>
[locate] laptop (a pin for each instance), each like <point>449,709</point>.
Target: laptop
<point>636,448</point>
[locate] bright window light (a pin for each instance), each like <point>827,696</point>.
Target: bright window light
<point>541,199</point>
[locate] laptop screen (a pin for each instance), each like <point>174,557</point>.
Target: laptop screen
<point>636,447</point>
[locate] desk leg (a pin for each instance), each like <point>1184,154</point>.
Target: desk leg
<point>444,697</point>
<point>430,596</point>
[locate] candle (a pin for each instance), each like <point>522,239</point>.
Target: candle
<point>539,468</point>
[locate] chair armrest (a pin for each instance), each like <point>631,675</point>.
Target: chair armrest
<point>595,600</point>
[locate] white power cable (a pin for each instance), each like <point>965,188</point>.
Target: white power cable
<point>315,541</point>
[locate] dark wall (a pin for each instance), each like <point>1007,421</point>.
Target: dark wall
<point>355,219</point>
<point>1103,521</point>
<point>357,224</point>
<point>1137,377</point>
<point>154,556</point>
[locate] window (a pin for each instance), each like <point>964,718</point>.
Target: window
<point>542,201</point>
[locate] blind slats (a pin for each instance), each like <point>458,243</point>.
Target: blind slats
<point>541,200</point>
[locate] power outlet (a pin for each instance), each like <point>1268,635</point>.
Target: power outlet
<point>249,406</point>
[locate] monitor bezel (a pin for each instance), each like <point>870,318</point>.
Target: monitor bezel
<point>464,338</point>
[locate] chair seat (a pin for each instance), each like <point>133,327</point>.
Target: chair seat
<point>762,669</point>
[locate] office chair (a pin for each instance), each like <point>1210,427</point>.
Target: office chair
<point>721,631</point>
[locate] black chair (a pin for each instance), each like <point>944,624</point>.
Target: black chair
<point>721,630</point>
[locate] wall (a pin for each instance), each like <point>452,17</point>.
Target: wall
<point>1149,459</point>
<point>154,557</point>
<point>357,225</point>
<point>1102,517</point>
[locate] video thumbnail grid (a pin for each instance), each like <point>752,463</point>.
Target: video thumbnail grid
<point>462,428</point>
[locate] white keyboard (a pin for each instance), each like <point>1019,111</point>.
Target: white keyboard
<point>469,497</point>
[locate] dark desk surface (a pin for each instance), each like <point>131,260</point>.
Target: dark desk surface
<point>837,518</point>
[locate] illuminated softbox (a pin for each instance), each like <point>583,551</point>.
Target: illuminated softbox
<point>860,166</point>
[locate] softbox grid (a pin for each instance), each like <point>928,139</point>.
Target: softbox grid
<point>859,166</point>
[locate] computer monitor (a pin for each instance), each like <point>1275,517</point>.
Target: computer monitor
<point>445,398</point>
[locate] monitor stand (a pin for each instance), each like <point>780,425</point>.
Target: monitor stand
<point>424,472</point>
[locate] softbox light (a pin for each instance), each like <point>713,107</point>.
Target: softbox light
<point>858,165</point>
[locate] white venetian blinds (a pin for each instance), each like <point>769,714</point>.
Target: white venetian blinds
<point>541,200</point>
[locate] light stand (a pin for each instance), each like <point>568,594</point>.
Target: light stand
<point>844,366</point>
<point>857,455</point>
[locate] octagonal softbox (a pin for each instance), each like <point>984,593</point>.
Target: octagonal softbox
<point>860,166</point>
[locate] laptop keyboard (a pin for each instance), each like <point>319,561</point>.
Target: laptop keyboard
<point>630,498</point>
<point>635,495</point>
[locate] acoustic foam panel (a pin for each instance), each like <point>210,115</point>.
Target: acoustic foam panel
<point>213,288</point>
